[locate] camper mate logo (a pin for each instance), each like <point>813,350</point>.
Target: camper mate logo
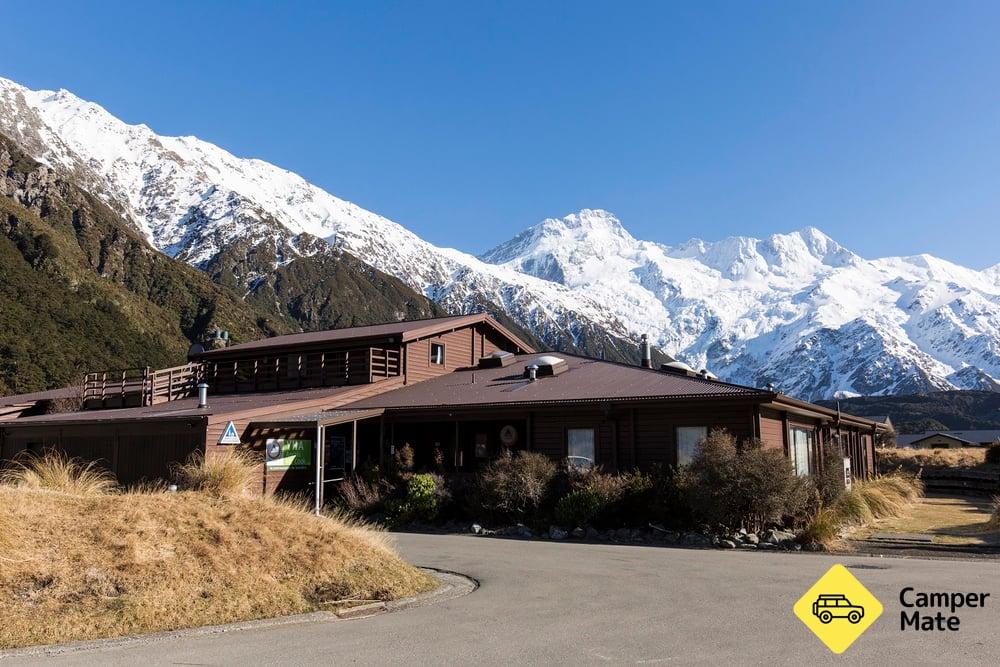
<point>838,609</point>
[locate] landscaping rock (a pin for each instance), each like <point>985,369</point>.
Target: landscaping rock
<point>578,532</point>
<point>767,545</point>
<point>622,534</point>
<point>727,544</point>
<point>476,529</point>
<point>557,533</point>
<point>696,540</point>
<point>778,536</point>
<point>592,533</point>
<point>747,545</point>
<point>751,538</point>
<point>523,531</point>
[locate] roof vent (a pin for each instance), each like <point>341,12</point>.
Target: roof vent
<point>498,359</point>
<point>707,374</point>
<point>678,368</point>
<point>548,364</point>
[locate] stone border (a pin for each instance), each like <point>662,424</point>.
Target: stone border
<point>452,585</point>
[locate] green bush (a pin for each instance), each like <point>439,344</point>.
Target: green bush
<point>579,507</point>
<point>830,480</point>
<point>667,501</point>
<point>516,486</point>
<point>421,501</point>
<point>993,454</point>
<point>743,485</point>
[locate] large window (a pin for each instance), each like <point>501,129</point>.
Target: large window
<point>580,448</point>
<point>802,450</point>
<point>688,438</point>
<point>437,354</point>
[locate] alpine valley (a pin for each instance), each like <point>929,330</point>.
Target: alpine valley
<point>796,310</point>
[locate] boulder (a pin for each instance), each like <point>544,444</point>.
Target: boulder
<point>476,529</point>
<point>727,544</point>
<point>592,533</point>
<point>557,533</point>
<point>578,532</point>
<point>622,534</point>
<point>751,538</point>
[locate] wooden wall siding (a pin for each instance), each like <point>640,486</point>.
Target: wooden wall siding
<point>274,481</point>
<point>655,435</point>
<point>458,353</point>
<point>133,451</point>
<point>772,432</point>
<point>217,422</point>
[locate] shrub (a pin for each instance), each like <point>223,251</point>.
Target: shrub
<point>228,474</point>
<point>579,507</point>
<point>403,459</point>
<point>516,486</point>
<point>995,520</point>
<point>421,501</point>
<point>667,499</point>
<point>56,471</point>
<point>830,480</point>
<point>742,486</point>
<point>363,496</point>
<point>993,453</point>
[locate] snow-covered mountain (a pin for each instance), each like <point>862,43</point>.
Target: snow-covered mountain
<point>797,310</point>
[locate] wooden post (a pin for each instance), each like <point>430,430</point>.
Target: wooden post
<point>354,445</point>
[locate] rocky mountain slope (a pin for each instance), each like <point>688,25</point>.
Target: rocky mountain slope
<point>797,310</point>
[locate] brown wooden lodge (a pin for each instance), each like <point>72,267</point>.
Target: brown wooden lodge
<point>460,387</point>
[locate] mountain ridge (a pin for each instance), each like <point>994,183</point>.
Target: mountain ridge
<point>798,309</point>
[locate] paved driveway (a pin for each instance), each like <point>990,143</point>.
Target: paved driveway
<point>558,602</point>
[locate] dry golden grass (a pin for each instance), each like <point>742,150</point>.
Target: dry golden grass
<point>85,566</point>
<point>914,459</point>
<point>231,473</point>
<point>994,522</point>
<point>58,472</point>
<point>884,497</point>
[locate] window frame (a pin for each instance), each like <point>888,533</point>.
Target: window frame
<point>677,442</point>
<point>444,354</point>
<point>593,441</point>
<point>810,443</point>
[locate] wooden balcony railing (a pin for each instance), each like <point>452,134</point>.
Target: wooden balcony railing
<point>134,387</point>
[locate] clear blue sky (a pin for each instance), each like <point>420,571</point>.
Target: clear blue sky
<point>878,122</point>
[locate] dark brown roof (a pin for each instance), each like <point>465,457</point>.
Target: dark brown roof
<point>26,399</point>
<point>188,407</point>
<point>401,331</point>
<point>587,380</point>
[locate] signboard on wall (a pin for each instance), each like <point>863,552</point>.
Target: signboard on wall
<point>847,473</point>
<point>230,436</point>
<point>282,454</point>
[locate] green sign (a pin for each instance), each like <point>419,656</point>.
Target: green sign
<point>284,454</point>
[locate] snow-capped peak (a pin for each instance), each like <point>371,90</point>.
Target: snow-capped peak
<point>796,309</point>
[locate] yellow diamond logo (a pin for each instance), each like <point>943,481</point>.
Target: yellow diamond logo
<point>838,608</point>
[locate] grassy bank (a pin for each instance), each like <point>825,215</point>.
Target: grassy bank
<point>84,563</point>
<point>912,460</point>
<point>888,496</point>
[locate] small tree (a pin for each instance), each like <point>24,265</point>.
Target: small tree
<point>830,480</point>
<point>742,485</point>
<point>516,486</point>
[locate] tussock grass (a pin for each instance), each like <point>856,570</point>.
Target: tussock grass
<point>994,523</point>
<point>913,459</point>
<point>884,497</point>
<point>77,566</point>
<point>54,471</point>
<point>224,475</point>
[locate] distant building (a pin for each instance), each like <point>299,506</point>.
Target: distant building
<point>948,439</point>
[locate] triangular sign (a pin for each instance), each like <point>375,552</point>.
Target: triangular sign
<point>230,436</point>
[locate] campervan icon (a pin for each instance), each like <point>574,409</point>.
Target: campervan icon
<point>828,607</point>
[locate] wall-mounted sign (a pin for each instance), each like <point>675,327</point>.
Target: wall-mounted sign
<point>847,473</point>
<point>281,454</point>
<point>508,435</point>
<point>230,436</point>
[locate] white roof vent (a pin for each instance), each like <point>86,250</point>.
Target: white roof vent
<point>678,367</point>
<point>547,364</point>
<point>497,359</point>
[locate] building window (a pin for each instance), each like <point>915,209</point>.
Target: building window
<point>437,354</point>
<point>580,447</point>
<point>688,439</point>
<point>802,451</point>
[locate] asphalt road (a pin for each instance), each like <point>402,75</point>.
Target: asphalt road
<point>560,602</point>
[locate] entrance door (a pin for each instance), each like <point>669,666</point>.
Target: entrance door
<point>335,458</point>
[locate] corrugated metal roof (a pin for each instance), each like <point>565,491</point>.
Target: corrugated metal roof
<point>587,380</point>
<point>406,330</point>
<point>975,437</point>
<point>188,407</point>
<point>326,417</point>
<point>23,399</point>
